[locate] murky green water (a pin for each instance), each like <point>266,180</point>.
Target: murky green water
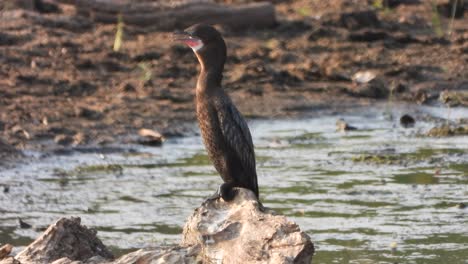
<point>358,194</point>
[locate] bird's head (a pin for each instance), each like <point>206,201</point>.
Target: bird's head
<point>207,43</point>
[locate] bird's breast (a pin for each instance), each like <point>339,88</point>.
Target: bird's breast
<point>211,132</point>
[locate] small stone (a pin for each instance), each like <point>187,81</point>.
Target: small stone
<point>20,132</point>
<point>375,88</point>
<point>150,137</point>
<point>45,121</point>
<point>147,56</point>
<point>256,90</point>
<point>364,76</point>
<point>79,139</point>
<point>23,224</point>
<point>127,87</point>
<point>447,130</point>
<point>63,140</point>
<point>446,9</point>
<point>454,98</point>
<point>407,121</point>
<point>342,126</point>
<point>359,19</point>
<point>398,88</point>
<point>88,113</point>
<point>395,3</point>
<point>105,140</point>
<point>368,35</point>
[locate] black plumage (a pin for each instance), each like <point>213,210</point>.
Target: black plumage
<point>225,133</point>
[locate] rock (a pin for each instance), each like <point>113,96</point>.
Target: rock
<point>368,35</point>
<point>63,140</point>
<point>359,19</point>
<point>455,8</point>
<point>395,3</point>
<point>8,39</point>
<point>342,126</point>
<point>60,130</point>
<point>23,224</point>
<point>147,56</point>
<point>5,251</point>
<point>127,87</point>
<point>240,232</point>
<point>321,32</point>
<point>8,153</point>
<point>25,4</point>
<point>46,6</point>
<point>88,113</point>
<point>20,132</point>
<point>255,90</point>
<point>104,140</point>
<point>7,149</point>
<point>79,139</point>
<point>150,137</point>
<point>447,130</point>
<point>397,88</point>
<point>454,98</point>
<point>65,238</point>
<point>407,121</point>
<point>364,76</point>
<point>375,88</point>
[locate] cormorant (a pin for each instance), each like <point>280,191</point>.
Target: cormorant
<point>225,133</point>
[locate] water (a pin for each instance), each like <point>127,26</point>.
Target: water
<point>382,194</point>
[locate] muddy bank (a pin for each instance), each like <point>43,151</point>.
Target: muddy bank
<point>62,84</point>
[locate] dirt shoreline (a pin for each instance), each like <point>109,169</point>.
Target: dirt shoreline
<point>61,83</point>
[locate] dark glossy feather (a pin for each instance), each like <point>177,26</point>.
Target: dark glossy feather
<point>238,139</point>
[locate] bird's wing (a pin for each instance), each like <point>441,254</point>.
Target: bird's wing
<point>237,135</point>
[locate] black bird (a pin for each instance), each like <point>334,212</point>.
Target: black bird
<point>225,133</point>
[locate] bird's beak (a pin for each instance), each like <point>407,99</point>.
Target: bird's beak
<point>191,41</point>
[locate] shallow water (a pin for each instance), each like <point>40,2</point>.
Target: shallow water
<point>398,208</point>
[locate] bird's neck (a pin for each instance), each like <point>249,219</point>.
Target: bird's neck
<point>209,80</point>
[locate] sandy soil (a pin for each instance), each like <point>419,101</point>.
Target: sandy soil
<point>61,82</point>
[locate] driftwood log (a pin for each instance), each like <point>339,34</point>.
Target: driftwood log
<point>165,15</point>
<point>217,232</point>
<point>170,15</point>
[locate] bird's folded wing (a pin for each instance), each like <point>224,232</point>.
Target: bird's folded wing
<point>237,135</point>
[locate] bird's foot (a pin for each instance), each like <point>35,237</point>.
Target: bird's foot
<point>227,192</point>
<point>212,198</point>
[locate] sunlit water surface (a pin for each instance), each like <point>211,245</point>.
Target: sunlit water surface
<point>403,207</point>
